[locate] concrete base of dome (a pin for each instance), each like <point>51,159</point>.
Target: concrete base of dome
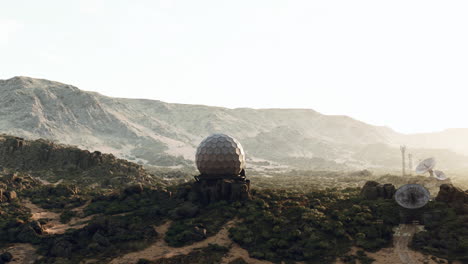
<point>221,188</point>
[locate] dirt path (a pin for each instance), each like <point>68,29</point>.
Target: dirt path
<point>45,182</point>
<point>399,253</point>
<point>401,238</point>
<point>26,253</point>
<point>237,252</point>
<point>53,225</point>
<point>160,249</point>
<point>22,253</point>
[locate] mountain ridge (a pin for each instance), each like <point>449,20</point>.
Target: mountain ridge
<point>166,134</point>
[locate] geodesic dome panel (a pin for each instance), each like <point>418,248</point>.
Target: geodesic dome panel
<point>220,154</point>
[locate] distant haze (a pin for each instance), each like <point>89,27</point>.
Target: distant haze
<point>401,64</point>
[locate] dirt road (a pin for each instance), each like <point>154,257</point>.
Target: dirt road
<point>399,253</point>
<point>160,249</point>
<point>401,238</point>
<point>54,226</point>
<point>22,253</point>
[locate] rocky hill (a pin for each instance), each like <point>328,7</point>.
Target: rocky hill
<point>52,162</point>
<point>454,197</point>
<point>164,134</point>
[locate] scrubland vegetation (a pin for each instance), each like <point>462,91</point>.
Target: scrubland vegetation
<point>314,217</point>
<point>276,225</point>
<point>446,234</point>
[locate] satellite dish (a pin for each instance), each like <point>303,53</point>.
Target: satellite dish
<point>440,175</point>
<point>428,165</point>
<point>412,196</point>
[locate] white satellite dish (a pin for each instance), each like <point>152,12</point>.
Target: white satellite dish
<point>440,175</point>
<point>428,165</point>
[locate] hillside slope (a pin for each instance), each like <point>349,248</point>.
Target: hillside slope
<point>52,162</point>
<point>164,134</point>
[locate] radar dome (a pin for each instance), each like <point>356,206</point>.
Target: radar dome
<point>220,154</point>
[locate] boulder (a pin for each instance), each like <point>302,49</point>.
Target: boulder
<point>3,198</point>
<point>454,197</point>
<point>186,210</point>
<point>200,230</point>
<point>37,227</point>
<point>369,190</point>
<point>388,191</point>
<point>6,257</point>
<point>28,235</point>
<point>451,194</point>
<point>373,190</point>
<point>11,195</point>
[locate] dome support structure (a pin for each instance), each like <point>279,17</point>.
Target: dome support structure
<point>213,189</point>
<point>221,161</point>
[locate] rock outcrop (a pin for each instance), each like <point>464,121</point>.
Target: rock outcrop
<point>454,197</point>
<point>3,197</point>
<point>41,155</point>
<point>17,182</point>
<point>6,257</point>
<point>186,210</point>
<point>373,190</point>
<point>7,196</point>
<point>16,152</point>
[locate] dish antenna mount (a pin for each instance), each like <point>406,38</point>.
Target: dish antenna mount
<point>428,165</point>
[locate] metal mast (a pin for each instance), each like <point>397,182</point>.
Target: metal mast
<point>410,165</point>
<point>403,149</point>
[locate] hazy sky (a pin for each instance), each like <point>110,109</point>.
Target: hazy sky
<point>403,64</point>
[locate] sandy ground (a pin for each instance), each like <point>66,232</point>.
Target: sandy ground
<point>53,225</point>
<point>45,182</point>
<point>25,253</point>
<point>22,253</point>
<point>399,253</point>
<point>390,256</point>
<point>236,251</point>
<point>161,250</point>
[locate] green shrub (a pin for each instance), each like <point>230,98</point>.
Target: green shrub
<point>66,216</point>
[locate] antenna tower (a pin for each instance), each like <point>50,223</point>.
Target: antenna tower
<point>403,149</point>
<point>410,165</point>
